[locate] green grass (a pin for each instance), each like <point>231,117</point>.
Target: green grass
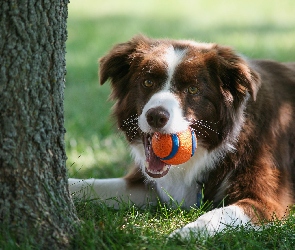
<point>132,228</point>
<point>256,28</point>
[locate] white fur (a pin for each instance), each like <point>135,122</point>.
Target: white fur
<point>172,57</point>
<point>168,101</point>
<point>213,222</point>
<point>114,191</point>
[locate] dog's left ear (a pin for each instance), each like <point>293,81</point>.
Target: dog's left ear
<point>236,75</point>
<point>116,64</point>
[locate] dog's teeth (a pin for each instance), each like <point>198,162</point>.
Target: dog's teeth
<point>166,167</point>
<point>152,171</point>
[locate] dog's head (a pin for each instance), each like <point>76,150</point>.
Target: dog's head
<point>167,85</point>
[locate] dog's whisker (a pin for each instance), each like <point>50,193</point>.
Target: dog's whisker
<point>130,127</point>
<point>204,126</point>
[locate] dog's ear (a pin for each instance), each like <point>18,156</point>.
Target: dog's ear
<point>116,64</point>
<point>236,75</point>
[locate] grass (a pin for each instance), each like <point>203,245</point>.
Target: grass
<point>256,28</point>
<point>127,228</point>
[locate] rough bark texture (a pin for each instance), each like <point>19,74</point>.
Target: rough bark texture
<point>34,196</point>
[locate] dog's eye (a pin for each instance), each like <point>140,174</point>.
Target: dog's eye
<point>148,83</point>
<point>193,90</point>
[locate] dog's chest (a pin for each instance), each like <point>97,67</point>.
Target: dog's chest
<point>175,190</point>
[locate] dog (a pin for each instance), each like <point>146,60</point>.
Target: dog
<point>242,112</point>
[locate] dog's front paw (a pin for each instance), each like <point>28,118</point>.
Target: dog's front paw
<point>184,234</point>
<point>212,222</point>
<point>191,231</point>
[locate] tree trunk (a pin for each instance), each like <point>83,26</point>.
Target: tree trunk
<point>34,196</point>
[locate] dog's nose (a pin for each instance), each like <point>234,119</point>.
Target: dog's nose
<point>157,117</point>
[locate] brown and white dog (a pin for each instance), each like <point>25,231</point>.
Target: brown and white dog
<point>242,111</point>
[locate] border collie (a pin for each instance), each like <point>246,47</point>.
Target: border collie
<point>242,112</point>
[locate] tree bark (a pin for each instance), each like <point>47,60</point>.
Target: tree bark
<point>34,196</point>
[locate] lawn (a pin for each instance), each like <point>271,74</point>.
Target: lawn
<point>256,28</point>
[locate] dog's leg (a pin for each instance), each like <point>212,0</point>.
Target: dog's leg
<point>213,222</point>
<point>114,191</point>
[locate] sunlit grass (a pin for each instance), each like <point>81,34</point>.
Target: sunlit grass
<point>98,157</point>
<point>134,228</point>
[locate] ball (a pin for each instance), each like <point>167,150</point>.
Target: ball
<point>174,149</point>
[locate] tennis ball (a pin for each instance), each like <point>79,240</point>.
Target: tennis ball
<point>174,149</point>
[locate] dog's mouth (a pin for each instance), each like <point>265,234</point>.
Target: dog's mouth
<point>154,167</point>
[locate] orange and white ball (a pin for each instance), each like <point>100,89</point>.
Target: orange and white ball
<point>174,149</point>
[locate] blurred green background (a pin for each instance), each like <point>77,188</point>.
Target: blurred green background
<point>256,28</point>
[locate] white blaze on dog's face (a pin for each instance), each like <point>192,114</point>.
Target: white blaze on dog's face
<point>166,99</point>
<point>169,102</point>
<point>166,86</point>
<point>162,113</point>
